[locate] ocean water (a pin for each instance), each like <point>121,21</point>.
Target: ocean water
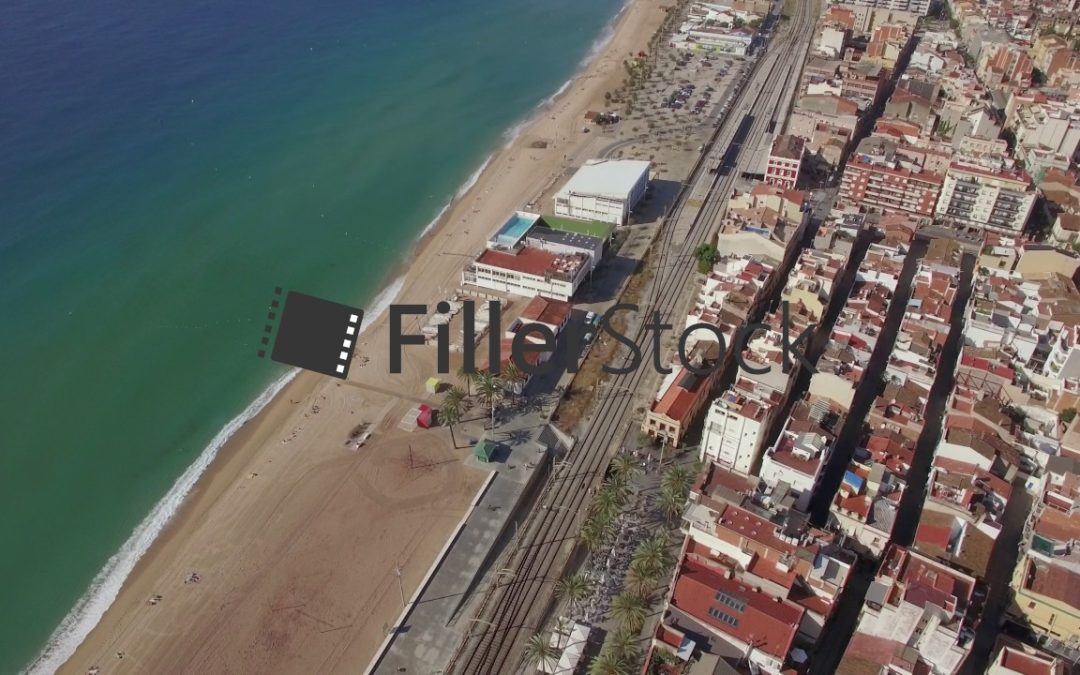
<point>162,167</point>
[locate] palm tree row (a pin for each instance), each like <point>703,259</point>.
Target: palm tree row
<point>650,564</point>
<point>604,508</point>
<point>674,491</point>
<point>490,392</point>
<point>574,589</point>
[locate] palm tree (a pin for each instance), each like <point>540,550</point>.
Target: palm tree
<point>630,611</point>
<point>625,467</point>
<point>619,485</point>
<point>490,392</point>
<point>574,589</point>
<point>671,504</point>
<point>540,654</point>
<point>609,663</point>
<point>593,534</point>
<point>641,581</point>
<point>467,377</point>
<point>652,554</point>
<point>678,479</point>
<point>624,644</point>
<point>450,412</point>
<point>512,377</point>
<point>606,504</point>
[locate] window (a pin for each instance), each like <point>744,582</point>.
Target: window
<point>737,605</point>
<point>725,618</point>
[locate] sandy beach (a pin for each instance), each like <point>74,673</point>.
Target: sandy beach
<point>292,537</point>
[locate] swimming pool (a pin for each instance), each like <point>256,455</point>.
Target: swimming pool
<point>514,229</point>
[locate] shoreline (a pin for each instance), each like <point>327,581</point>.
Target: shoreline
<point>254,427</point>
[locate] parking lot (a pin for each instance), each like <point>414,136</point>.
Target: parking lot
<point>674,111</point>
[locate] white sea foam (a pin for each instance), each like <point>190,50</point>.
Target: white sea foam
<point>106,585</point>
<point>602,40</point>
<point>382,301</point>
<point>465,187</point>
<point>103,590</point>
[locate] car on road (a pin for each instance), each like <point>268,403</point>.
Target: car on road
<point>590,318</point>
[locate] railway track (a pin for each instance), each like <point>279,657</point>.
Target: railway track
<point>514,603</point>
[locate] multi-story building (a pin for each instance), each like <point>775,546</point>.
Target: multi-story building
<point>920,7</point>
<point>877,178</point>
<point>735,427</point>
<point>785,160</point>
<point>526,257</point>
<point>997,200</point>
<point>679,402</point>
<point>915,617</point>
<point>802,449</point>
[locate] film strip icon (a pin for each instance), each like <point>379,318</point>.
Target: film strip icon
<point>311,333</point>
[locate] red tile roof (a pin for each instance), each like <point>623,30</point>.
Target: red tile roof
<point>1027,664</point>
<point>529,260</point>
<point>678,401</point>
<point>546,310</point>
<point>1055,581</point>
<point>750,526</point>
<point>769,623</point>
<point>506,347</point>
<point>1058,526</point>
<point>934,535</point>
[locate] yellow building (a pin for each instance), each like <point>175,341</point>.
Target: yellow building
<point>1047,597</point>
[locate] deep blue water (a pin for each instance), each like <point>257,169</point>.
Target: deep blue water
<point>162,167</point>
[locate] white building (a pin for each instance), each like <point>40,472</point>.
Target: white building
<point>734,430</point>
<point>734,41</point>
<point>527,259</point>
<point>920,7</point>
<point>796,460</point>
<point>604,190</point>
<point>997,200</point>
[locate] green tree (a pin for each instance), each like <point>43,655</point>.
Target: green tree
<point>652,554</point>
<point>1067,416</point>
<point>467,377</point>
<point>513,378</point>
<point>609,663</point>
<point>624,645</point>
<point>629,611</point>
<point>593,534</point>
<point>671,504</point>
<point>678,479</point>
<point>625,467</point>
<point>540,654</point>
<point>490,391</point>
<point>641,581</point>
<point>606,504</point>
<point>617,485</point>
<point>451,411</point>
<point>707,256</point>
<point>573,589</point>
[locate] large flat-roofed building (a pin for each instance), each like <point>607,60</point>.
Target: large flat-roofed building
<point>920,7</point>
<point>528,272</point>
<point>604,190</point>
<point>527,257</point>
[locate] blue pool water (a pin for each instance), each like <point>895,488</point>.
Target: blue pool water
<point>514,229</point>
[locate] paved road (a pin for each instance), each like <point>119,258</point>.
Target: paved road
<point>511,612</point>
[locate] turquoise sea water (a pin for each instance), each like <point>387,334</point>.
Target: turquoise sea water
<point>162,167</point>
